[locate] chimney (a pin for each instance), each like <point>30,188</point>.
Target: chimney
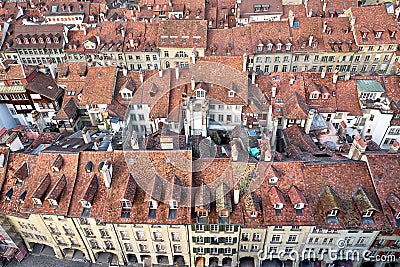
<point>347,76</point>
<point>134,140</point>
<point>310,40</point>
<point>394,147</point>
<point>193,83</point>
<point>324,27</point>
<point>234,152</point>
<point>292,80</point>
<point>323,73</point>
<point>160,72</point>
<point>253,77</point>
<point>84,30</point>
<point>141,77</point>
<point>236,194</point>
<point>98,39</point>
<point>273,91</point>
<point>335,76</point>
<point>86,135</point>
<point>107,172</point>
<point>177,71</point>
<point>291,18</point>
<point>96,144</point>
<point>125,71</point>
<point>244,67</point>
<point>265,148</point>
<point>357,148</point>
<point>194,56</point>
<point>309,14</point>
<point>310,118</point>
<point>123,33</point>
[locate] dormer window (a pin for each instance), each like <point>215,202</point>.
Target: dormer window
<point>126,204</point>
<point>202,214</point>
<point>325,96</point>
<point>26,40</point>
<point>86,204</point>
<point>378,35</point>
<point>398,216</point>
<point>224,214</point>
<point>364,35</point>
<point>254,214</point>
<point>288,47</point>
<point>231,93</point>
<point>9,195</point>
<point>152,204</point>
<point>273,180</point>
<point>392,34</point>
<point>19,41</point>
<point>33,40</point>
<point>314,95</point>
<point>173,204</point>
<point>53,203</point>
<point>213,52</point>
<point>48,40</point>
<point>56,40</point>
<point>368,213</point>
<point>257,8</point>
<point>303,46</point>
<point>314,45</point>
<point>126,96</point>
<point>278,206</point>
<point>200,93</point>
<point>333,213</point>
<point>269,47</point>
<point>279,47</point>
<point>260,48</point>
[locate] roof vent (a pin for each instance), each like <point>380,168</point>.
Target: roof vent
<point>167,161</point>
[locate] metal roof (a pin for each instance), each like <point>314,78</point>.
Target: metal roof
<point>369,86</point>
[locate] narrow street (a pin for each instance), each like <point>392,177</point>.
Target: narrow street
<point>46,261</point>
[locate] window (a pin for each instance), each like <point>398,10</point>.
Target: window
<point>314,95</point>
<point>142,248</point>
<point>228,251</point>
<point>220,117</point>
<point>256,237</point>
<point>94,244</point>
<point>177,248</point>
<point>175,236</point>
<point>276,239</point>
<point>245,236</point>
<point>231,93</point>
<point>200,250</point>
<point>104,233</point>
<point>361,240</point>
<point>228,240</point>
<point>254,248</point>
<point>243,247</point>
<point>292,238</point>
<point>228,228</point>
<point>200,93</point>
<point>157,236</point>
<point>199,228</point>
<point>140,235</point>
<point>333,213</point>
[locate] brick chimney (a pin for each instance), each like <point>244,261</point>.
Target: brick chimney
<point>357,148</point>
<point>193,83</point>
<point>107,172</point>
<point>291,18</point>
<point>177,71</point>
<point>335,76</point>
<point>323,73</point>
<point>253,77</point>
<point>394,147</point>
<point>244,67</point>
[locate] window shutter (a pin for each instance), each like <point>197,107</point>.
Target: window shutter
<point>234,240</point>
<point>207,239</point>
<point>236,228</point>
<point>193,238</point>
<point>220,250</point>
<point>234,251</point>
<point>221,239</point>
<point>194,250</point>
<point>207,227</point>
<point>193,227</point>
<point>207,250</point>
<point>221,228</point>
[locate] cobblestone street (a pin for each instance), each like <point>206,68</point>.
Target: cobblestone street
<point>46,261</point>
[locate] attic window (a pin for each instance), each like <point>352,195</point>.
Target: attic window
<point>278,47</point>
<point>269,47</point>
<point>22,198</point>
<point>48,40</point>
<point>288,47</point>
<point>392,34</point>
<point>273,180</point>
<point>224,214</point>
<point>33,40</point>
<point>41,41</point>
<point>202,214</point>
<point>19,41</point>
<point>254,214</point>
<point>364,35</point>
<point>325,96</point>
<point>257,8</point>
<point>278,206</point>
<point>152,204</point>
<point>231,93</point>
<point>200,93</point>
<point>398,216</point>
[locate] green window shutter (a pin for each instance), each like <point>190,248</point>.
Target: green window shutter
<point>207,239</point>
<point>221,239</point>
<point>194,239</point>
<point>234,251</point>
<point>234,240</point>
<point>194,250</point>
<point>221,227</point>
<point>207,227</point>
<point>351,58</point>
<point>236,228</point>
<point>207,250</point>
<point>193,227</point>
<point>220,250</point>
